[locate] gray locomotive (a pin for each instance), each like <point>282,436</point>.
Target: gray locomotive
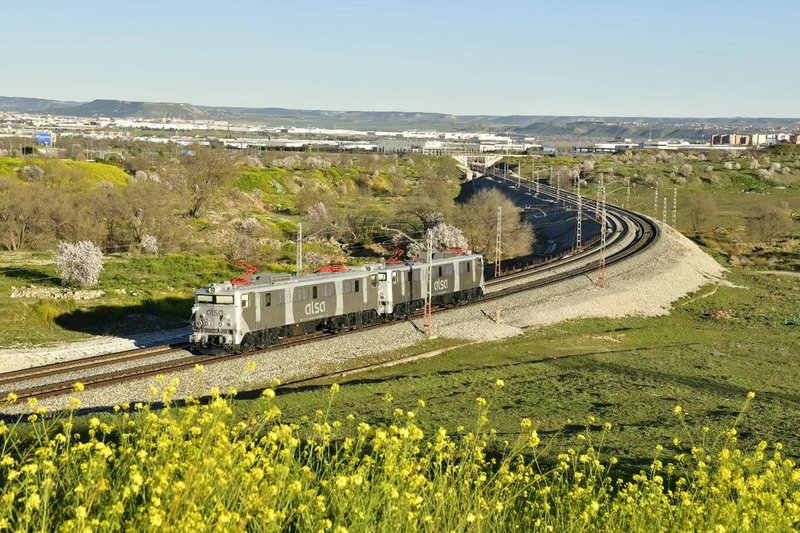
<point>269,307</point>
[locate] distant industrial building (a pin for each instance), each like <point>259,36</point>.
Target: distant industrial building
<point>755,139</point>
<point>729,139</point>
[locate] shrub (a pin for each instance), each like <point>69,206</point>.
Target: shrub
<point>79,264</point>
<point>32,173</point>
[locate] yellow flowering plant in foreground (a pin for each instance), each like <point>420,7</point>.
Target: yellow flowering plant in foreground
<point>199,468</point>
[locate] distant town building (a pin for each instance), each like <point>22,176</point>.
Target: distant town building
<point>730,139</point>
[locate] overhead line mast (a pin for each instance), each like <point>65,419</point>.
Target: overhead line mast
<point>601,271</point>
<point>427,317</point>
<point>498,242</point>
<point>578,236</point>
<point>299,248</point>
<point>674,207</point>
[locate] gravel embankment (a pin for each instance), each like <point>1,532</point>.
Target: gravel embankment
<point>645,285</point>
<point>14,359</point>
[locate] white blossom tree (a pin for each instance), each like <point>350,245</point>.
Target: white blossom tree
<point>79,264</point>
<point>443,236</point>
<point>149,244</point>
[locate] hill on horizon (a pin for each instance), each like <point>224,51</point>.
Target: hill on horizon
<point>531,125</point>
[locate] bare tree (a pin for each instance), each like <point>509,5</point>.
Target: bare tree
<point>23,214</point>
<point>702,209</point>
<point>478,219</point>
<point>202,172</point>
<point>432,196</point>
<point>148,208</point>
<point>769,221</point>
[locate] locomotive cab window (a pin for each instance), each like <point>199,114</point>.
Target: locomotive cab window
<point>358,284</point>
<point>245,300</point>
<point>224,299</point>
<point>469,266</point>
<point>394,278</point>
<point>204,298</point>
<point>382,276</point>
<point>440,272</point>
<point>314,292</point>
<point>267,299</point>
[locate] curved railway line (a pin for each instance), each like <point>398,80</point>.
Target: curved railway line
<point>628,234</point>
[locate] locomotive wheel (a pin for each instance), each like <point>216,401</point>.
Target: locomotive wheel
<point>248,343</point>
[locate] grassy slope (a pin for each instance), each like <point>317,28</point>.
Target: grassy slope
<point>631,372</point>
<point>63,171</point>
<point>158,295</point>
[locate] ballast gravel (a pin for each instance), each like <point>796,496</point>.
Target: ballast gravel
<point>644,285</point>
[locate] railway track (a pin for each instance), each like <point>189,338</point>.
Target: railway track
<point>630,234</point>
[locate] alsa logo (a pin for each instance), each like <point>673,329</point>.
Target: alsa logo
<point>315,308</point>
<point>440,285</point>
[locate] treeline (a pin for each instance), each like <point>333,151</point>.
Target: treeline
<point>39,209</point>
<point>241,203</point>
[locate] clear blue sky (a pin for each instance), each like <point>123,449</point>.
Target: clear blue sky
<point>610,57</point>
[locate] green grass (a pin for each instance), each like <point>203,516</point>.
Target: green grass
<point>64,172</point>
<point>158,293</point>
<point>631,372</point>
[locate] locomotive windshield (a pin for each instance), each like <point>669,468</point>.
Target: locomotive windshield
<point>218,299</point>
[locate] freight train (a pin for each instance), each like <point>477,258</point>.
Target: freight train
<point>259,311</point>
